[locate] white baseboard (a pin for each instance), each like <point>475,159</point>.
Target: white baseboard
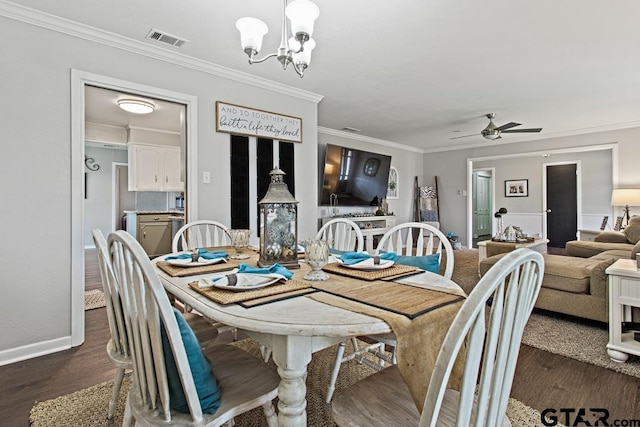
<point>30,351</point>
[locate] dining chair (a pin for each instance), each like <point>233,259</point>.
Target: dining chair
<point>489,327</point>
<point>342,234</point>
<point>428,242</point>
<point>175,382</point>
<point>118,346</point>
<point>203,234</point>
<point>200,234</point>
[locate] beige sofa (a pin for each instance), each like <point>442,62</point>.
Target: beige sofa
<point>608,240</point>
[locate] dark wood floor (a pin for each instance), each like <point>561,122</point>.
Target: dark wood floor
<point>543,380</point>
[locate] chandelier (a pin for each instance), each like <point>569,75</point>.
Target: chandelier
<point>295,50</point>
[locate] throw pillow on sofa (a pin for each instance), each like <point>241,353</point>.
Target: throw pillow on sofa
<point>632,230</point>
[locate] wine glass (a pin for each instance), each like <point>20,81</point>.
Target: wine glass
<point>316,254</point>
<point>239,241</point>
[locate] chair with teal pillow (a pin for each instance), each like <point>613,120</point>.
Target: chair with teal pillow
<point>417,244</point>
<point>175,382</point>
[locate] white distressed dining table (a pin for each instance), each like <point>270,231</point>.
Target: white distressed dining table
<point>293,329</point>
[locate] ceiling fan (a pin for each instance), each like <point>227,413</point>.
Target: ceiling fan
<point>493,132</point>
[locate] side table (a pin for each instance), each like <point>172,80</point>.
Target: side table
<point>624,294</point>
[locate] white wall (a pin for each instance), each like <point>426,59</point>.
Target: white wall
<point>451,169</point>
<point>36,170</point>
<point>97,205</point>
<point>408,163</point>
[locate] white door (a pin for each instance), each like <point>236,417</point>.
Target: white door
<point>482,196</point>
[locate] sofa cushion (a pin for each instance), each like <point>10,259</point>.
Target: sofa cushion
<point>635,250</point>
<point>632,230</point>
<point>611,237</point>
<point>569,274</point>
<point>586,249</point>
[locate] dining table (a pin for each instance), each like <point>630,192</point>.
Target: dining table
<point>296,325</point>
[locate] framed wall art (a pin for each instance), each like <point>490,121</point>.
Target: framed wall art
<point>516,188</point>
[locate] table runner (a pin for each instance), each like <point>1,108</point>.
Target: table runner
<point>223,296</point>
<point>395,271</point>
<point>418,340</point>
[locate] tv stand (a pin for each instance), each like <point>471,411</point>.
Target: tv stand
<point>370,226</point>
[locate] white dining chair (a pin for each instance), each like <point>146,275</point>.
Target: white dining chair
<point>169,368</point>
<point>413,239</point>
<point>118,346</point>
<point>342,234</point>
<point>489,327</point>
<point>200,234</point>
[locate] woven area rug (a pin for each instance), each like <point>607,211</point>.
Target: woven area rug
<point>94,299</point>
<point>88,407</point>
<point>580,340</point>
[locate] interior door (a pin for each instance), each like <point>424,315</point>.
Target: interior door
<point>562,204</point>
<point>482,185</point>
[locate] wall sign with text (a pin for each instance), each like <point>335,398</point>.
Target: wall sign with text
<point>231,118</point>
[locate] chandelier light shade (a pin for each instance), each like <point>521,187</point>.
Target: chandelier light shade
<point>302,15</point>
<point>136,106</point>
<point>625,197</point>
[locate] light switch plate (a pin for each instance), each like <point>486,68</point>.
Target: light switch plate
<point>206,177</point>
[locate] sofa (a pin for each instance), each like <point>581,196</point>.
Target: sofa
<point>625,240</point>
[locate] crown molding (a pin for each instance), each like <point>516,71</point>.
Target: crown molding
<point>349,135</point>
<point>82,31</point>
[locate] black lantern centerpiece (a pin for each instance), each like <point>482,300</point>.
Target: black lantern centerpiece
<point>278,224</point>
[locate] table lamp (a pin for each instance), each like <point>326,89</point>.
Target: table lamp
<point>625,197</point>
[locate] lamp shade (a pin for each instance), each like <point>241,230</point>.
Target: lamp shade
<point>252,31</point>
<point>625,197</point>
<point>302,14</point>
<point>303,57</point>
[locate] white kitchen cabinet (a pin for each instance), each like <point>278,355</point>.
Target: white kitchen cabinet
<point>154,168</point>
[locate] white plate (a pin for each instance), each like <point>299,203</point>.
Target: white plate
<point>188,263</point>
<point>369,265</point>
<point>237,288</point>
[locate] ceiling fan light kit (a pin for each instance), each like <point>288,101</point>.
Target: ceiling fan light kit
<point>295,50</point>
<point>493,132</point>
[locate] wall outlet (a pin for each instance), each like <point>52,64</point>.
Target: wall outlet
<point>206,177</point>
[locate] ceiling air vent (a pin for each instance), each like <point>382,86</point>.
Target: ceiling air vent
<point>166,38</point>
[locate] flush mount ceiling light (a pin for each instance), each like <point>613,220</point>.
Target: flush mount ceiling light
<point>295,50</point>
<point>136,106</point>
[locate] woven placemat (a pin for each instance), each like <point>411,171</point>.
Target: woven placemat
<point>223,296</point>
<point>177,271</point>
<point>407,300</point>
<point>394,270</point>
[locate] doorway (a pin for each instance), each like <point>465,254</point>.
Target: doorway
<point>123,199</point>
<point>561,195</point>
<point>79,81</point>
<point>482,189</point>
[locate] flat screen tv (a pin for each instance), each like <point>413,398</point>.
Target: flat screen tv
<point>356,177</point>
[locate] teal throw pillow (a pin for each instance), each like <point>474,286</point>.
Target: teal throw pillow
<point>428,262</point>
<point>206,384</point>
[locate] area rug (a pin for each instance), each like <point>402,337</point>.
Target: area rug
<point>576,339</point>
<point>94,299</point>
<point>88,407</point>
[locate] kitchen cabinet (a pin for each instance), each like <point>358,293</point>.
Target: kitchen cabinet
<point>154,233</point>
<point>154,168</point>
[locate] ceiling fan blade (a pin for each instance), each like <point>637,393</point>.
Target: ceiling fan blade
<point>507,126</point>
<point>465,136</point>
<point>531,130</point>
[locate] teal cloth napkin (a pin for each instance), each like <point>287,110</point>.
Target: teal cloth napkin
<point>274,269</point>
<point>202,253</point>
<point>350,258</point>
